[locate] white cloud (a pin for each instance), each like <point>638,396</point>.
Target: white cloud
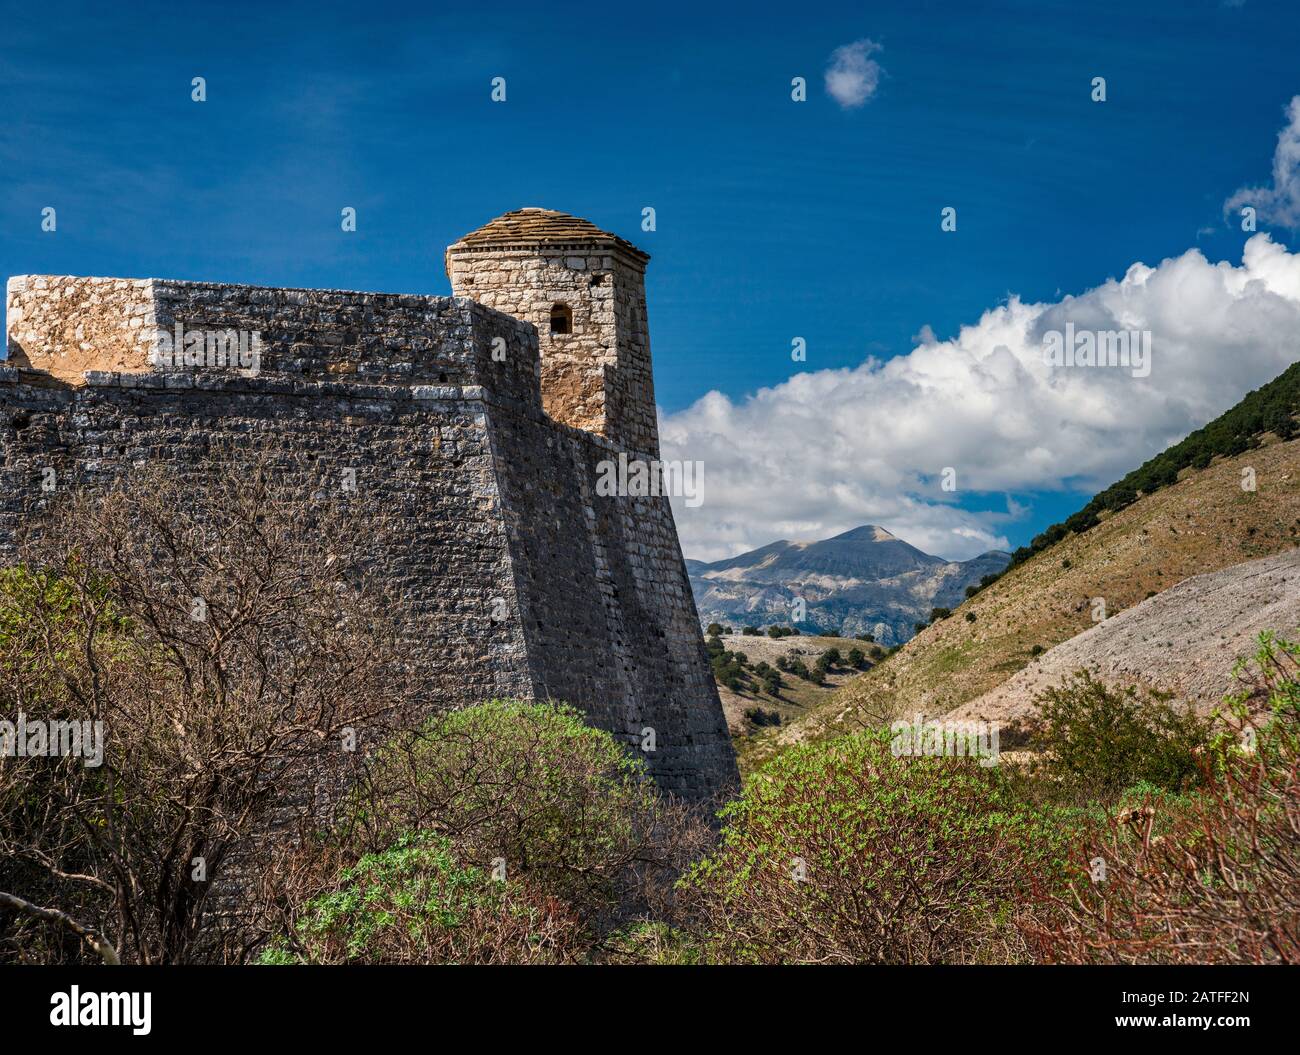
<point>1280,203</point>
<point>853,75</point>
<point>831,449</point>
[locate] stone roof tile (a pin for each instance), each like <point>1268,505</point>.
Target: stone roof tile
<point>533,226</point>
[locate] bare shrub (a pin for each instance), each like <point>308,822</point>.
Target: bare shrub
<point>231,638</point>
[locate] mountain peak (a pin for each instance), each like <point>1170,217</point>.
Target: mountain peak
<point>865,533</point>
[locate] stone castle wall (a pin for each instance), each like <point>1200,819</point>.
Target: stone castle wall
<point>496,501</point>
<point>67,326</point>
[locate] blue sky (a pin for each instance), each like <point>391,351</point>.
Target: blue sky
<point>774,218</point>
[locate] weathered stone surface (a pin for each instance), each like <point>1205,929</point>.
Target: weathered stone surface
<point>67,325</point>
<point>523,582</point>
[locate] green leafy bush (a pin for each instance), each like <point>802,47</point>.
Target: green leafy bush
<point>1104,739</point>
<point>844,853</point>
<point>563,804</point>
<point>575,838</point>
<point>415,903</point>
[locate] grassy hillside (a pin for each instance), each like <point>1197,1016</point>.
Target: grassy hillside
<point>1186,640</point>
<point>1202,522</point>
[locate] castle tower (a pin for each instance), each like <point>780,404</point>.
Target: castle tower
<point>584,290</point>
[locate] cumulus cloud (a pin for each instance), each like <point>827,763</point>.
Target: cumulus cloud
<point>853,75</point>
<point>1280,203</point>
<point>831,449</point>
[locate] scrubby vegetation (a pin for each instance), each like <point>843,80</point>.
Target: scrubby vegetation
<point>417,903</point>
<point>733,669</point>
<point>1101,740</point>
<point>760,717</point>
<point>191,634</point>
<point>1143,833</point>
<point>503,833</point>
<point>1210,877</point>
<point>843,853</point>
<point>512,832</point>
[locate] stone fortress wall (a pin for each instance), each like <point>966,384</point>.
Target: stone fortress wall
<point>436,403</point>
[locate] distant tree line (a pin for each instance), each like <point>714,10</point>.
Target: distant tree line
<point>733,670</point>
